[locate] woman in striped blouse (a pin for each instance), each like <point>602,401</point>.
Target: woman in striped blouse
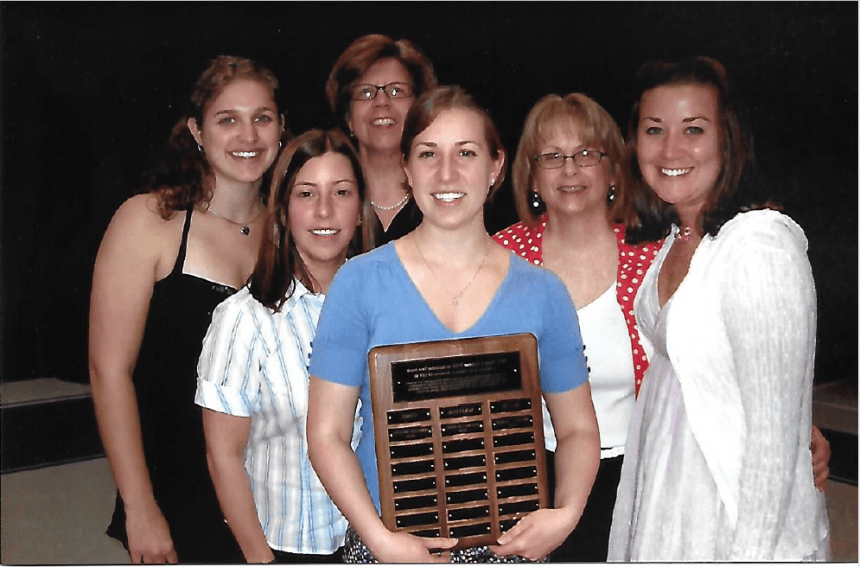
<point>252,373</point>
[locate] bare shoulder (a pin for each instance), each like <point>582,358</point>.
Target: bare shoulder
<point>140,212</point>
<point>138,232</point>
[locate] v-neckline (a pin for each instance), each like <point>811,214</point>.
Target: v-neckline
<point>662,261</point>
<point>433,314</point>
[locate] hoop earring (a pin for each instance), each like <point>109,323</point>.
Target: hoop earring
<point>280,144</point>
<point>199,148</point>
<point>611,196</point>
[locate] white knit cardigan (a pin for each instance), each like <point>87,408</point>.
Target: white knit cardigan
<point>741,340</point>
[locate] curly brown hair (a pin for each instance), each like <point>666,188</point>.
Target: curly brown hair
<point>182,177</point>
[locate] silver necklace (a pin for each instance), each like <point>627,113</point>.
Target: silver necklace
<point>245,229</point>
<point>684,233</point>
<point>455,299</point>
<point>392,207</point>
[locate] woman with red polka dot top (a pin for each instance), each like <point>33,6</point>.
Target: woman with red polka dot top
<point>568,165</point>
<point>572,196</point>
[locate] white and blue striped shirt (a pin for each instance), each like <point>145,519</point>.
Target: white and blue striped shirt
<point>254,363</point>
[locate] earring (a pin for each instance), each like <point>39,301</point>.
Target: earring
<point>537,202</point>
<point>280,144</point>
<point>611,196</point>
<point>199,148</point>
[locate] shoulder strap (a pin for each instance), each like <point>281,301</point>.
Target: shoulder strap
<point>180,258</point>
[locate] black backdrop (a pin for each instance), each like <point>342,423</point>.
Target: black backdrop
<point>90,90</point>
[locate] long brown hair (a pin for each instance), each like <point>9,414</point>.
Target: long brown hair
<point>737,187</point>
<point>278,261</point>
<point>182,177</point>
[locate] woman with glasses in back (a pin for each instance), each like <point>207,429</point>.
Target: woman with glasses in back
<point>371,87</point>
<point>571,196</point>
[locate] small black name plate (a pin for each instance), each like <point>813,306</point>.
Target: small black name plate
<point>459,436</point>
<point>456,376</point>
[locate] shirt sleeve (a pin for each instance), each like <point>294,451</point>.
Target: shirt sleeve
<point>340,346</point>
<point>562,360</point>
<point>229,370</point>
<point>768,306</point>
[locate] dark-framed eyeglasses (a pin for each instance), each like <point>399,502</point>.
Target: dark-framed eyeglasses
<point>582,158</point>
<point>392,90</point>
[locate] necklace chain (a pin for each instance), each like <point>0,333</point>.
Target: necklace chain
<point>392,207</point>
<point>455,299</point>
<point>684,233</point>
<point>245,229</point>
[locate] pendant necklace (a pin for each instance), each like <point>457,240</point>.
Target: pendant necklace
<point>455,299</point>
<point>684,233</point>
<point>245,229</point>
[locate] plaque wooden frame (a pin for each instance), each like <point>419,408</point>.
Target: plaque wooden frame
<point>447,468</point>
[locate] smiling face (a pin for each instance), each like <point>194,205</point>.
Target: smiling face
<point>324,209</point>
<point>572,189</point>
<point>450,168</point>
<point>678,146</point>
<point>378,123</point>
<point>240,132</point>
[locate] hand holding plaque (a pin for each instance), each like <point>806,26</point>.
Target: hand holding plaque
<point>459,436</point>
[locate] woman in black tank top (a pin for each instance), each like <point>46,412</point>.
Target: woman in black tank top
<point>158,276</point>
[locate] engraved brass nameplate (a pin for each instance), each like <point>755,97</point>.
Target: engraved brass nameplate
<point>459,436</point>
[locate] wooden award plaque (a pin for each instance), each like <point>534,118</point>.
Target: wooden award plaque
<point>459,436</point>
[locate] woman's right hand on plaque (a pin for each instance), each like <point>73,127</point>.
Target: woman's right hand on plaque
<point>401,547</point>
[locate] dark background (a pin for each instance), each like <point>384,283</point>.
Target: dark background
<point>91,90</point>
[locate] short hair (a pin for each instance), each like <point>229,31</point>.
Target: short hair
<point>183,177</point>
<point>596,128</point>
<point>736,188</point>
<point>278,261</point>
<point>428,108</point>
<point>360,56</point>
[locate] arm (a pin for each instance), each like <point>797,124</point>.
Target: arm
<point>768,306</point>
<point>331,411</point>
<point>820,459</point>
<point>577,458</point>
<point>226,437</point>
<point>124,275</point>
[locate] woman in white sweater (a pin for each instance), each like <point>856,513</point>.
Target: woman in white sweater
<point>717,464</point>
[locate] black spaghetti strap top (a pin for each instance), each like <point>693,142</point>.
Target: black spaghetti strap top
<point>165,381</point>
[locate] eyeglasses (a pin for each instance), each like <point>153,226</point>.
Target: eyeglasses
<point>583,158</point>
<point>393,90</point>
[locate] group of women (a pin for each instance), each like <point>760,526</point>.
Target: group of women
<point>674,313</point>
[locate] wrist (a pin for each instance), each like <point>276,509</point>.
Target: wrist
<point>567,516</point>
<point>262,558</point>
<point>378,539</point>
<point>141,505</point>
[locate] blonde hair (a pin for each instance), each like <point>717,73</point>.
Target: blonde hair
<point>595,127</point>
